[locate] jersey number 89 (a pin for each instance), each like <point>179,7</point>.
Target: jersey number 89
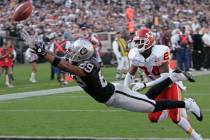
<point>87,67</point>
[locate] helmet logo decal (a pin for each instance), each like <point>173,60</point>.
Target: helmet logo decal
<point>83,51</point>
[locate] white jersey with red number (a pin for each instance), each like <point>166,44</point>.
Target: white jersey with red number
<point>159,55</point>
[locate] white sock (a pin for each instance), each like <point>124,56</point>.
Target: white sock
<point>33,76</point>
<point>186,126</point>
<point>7,79</point>
<point>194,134</point>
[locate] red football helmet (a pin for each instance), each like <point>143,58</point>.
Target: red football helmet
<point>143,39</point>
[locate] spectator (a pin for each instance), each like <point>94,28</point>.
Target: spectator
<point>166,36</point>
<point>183,53</point>
<point>206,40</point>
<point>197,50</point>
<point>6,62</point>
<point>58,47</point>
<point>120,50</point>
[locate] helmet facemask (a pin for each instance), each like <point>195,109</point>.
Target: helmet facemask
<point>141,43</point>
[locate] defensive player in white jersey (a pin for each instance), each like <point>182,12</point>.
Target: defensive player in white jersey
<point>154,61</point>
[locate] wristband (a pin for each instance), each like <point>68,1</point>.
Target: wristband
<point>56,61</point>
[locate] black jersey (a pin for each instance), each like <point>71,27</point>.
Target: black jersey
<point>94,83</point>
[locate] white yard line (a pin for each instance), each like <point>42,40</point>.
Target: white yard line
<point>14,96</point>
<point>83,138</point>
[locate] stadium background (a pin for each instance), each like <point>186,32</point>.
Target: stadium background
<point>76,114</point>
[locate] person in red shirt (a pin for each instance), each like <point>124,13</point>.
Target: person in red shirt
<point>6,61</point>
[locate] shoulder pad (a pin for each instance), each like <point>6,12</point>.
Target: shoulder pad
<point>136,58</point>
<point>160,54</point>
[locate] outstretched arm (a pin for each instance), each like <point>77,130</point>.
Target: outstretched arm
<point>63,64</point>
<point>39,49</point>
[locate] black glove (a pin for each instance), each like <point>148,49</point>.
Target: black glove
<point>39,49</point>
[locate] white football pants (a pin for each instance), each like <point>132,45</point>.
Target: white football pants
<point>130,100</point>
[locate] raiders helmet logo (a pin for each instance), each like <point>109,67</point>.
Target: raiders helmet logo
<point>83,51</point>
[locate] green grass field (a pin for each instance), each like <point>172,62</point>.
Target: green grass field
<point>76,114</point>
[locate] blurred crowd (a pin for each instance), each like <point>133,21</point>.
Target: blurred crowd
<point>170,21</point>
<point>107,15</point>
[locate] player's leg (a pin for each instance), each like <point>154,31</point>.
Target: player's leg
<point>130,100</point>
<point>179,59</point>
<point>159,115</point>
<point>7,77</point>
<point>119,69</point>
<point>125,67</point>
<point>33,72</point>
<point>175,114</point>
<point>1,71</point>
<point>52,72</point>
<point>10,72</point>
<point>187,59</point>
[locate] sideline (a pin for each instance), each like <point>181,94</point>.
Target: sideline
<point>14,96</point>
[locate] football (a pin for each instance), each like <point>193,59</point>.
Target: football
<point>23,11</point>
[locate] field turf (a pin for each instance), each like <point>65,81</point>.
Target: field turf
<point>76,114</point>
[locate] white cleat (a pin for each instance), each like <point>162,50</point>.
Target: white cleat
<point>9,85</point>
<point>178,75</point>
<point>32,80</point>
<point>192,106</point>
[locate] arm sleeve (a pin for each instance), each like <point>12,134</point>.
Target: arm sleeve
<point>116,49</point>
<point>162,77</point>
<point>128,79</point>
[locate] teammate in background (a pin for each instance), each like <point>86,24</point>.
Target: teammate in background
<point>6,61</point>
<point>86,71</point>
<point>120,50</point>
<point>32,59</point>
<point>154,60</point>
